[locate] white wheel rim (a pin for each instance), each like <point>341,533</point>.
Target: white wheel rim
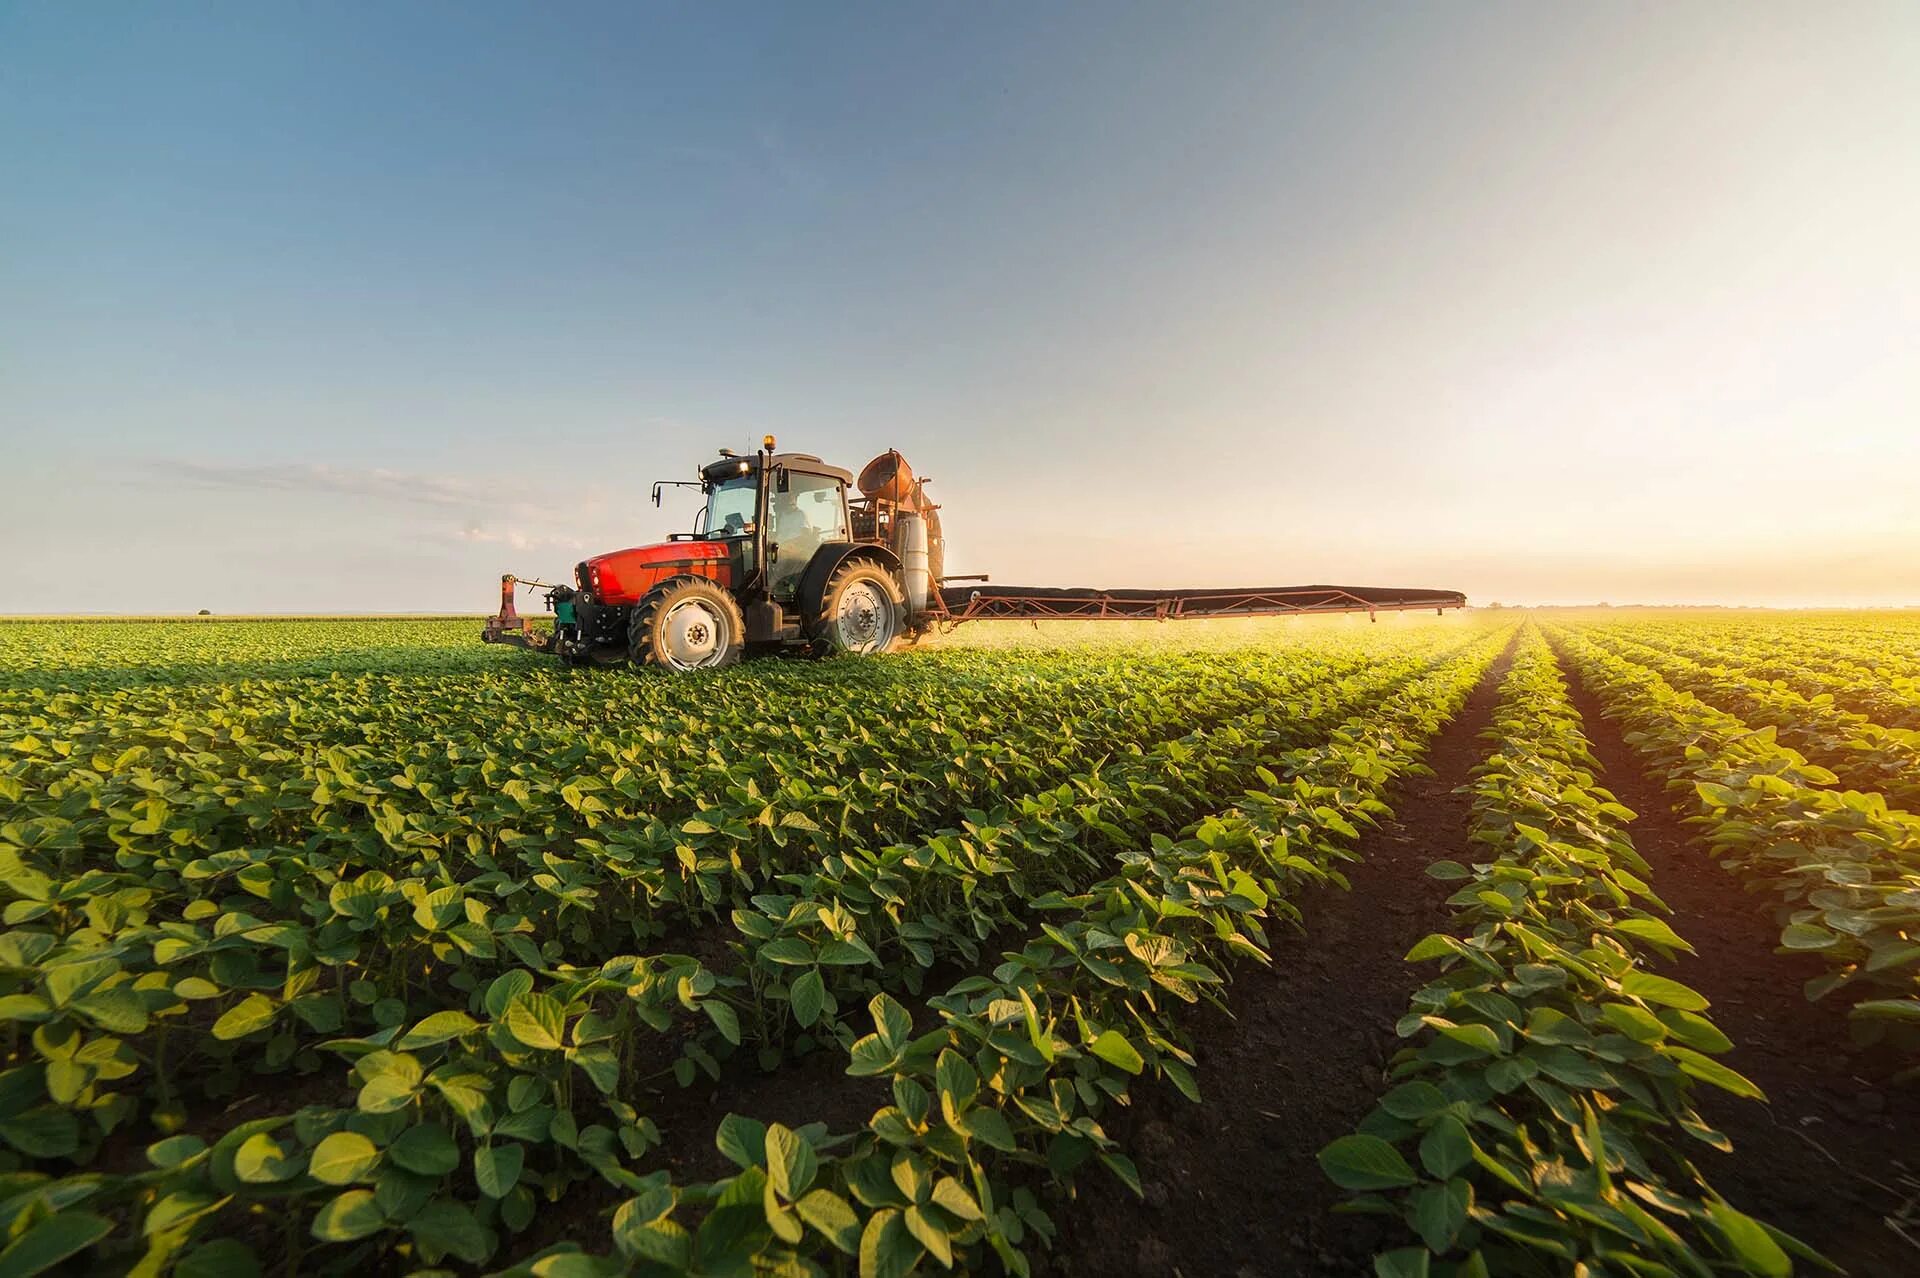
<point>864,620</point>
<point>693,635</point>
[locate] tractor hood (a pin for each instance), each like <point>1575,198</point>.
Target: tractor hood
<point>623,576</point>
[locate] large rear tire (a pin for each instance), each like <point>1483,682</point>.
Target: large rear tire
<point>686,623</point>
<point>862,610</point>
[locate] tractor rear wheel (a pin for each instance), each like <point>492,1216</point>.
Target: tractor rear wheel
<point>862,610</point>
<point>685,623</point>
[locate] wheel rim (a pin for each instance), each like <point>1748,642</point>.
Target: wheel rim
<point>693,635</point>
<point>865,618</point>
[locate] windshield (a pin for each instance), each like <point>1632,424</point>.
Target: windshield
<point>730,507</point>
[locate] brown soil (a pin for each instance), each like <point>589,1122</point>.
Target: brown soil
<point>1232,1186</point>
<point>1833,1158</point>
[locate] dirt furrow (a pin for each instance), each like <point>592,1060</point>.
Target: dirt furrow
<point>1231,1184</point>
<point>1834,1156</point>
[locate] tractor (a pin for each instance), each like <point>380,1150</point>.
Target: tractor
<point>781,557</point>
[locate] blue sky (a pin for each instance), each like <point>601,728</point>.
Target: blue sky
<point>321,307</point>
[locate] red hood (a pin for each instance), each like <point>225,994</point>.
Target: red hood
<point>622,576</point>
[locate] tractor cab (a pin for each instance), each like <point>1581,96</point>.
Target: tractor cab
<point>775,511</point>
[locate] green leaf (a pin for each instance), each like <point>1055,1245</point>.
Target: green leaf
<point>505,988</point>
<point>791,1162</point>
<point>1750,1242</point>
<point>219,1258</point>
<point>449,1228</point>
<point>63,1234</point>
<point>1888,1009</point>
<point>437,1028</point>
<point>1654,930</point>
<point>891,1021</point>
<point>343,1158</point>
<point>888,1248</point>
<point>789,951</point>
<point>174,1150</point>
<point>830,1215</point>
<point>1403,1262</point>
<point>351,1216</point>
<point>42,1133</point>
<point>1651,988</point>
<point>1481,1038</point>
<point>1446,1148</point>
<point>1440,1213</point>
<point>250,1014</point>
<point>1432,946</point>
<point>807,994</point>
<point>724,1019</point>
<point>1708,1070</point>
<point>538,1020</point>
<point>262,1160</point>
<point>1414,1101</point>
<point>1112,1047</point>
<point>989,1127</point>
<point>742,1140</point>
<point>496,1168</point>
<point>427,1149</point>
<point>1365,1162</point>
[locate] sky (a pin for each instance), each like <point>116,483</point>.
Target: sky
<point>353,307</point>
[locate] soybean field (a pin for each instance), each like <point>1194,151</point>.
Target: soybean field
<point>1554,943</point>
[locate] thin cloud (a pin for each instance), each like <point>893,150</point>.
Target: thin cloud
<point>521,539</point>
<point>380,484</point>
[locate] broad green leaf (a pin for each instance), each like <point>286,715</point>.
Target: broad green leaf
<point>1112,1047</point>
<point>496,1168</point>
<point>1365,1162</point>
<point>343,1158</point>
<point>350,1216</point>
<point>887,1248</point>
<point>743,1140</point>
<point>1654,930</point>
<point>428,1150</point>
<point>505,988</point>
<point>1445,1148</point>
<point>538,1020</point>
<point>252,1013</point>
<point>262,1160</point>
<point>437,1028</point>
<point>1752,1244</point>
<point>791,1162</point>
<point>829,1215</point>
<point>42,1246</point>
<point>807,995</point>
<point>1652,988</point>
<point>1708,1070</point>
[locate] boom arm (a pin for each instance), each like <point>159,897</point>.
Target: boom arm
<point>1044,603</point>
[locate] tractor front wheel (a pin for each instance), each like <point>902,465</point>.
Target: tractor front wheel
<point>685,623</point>
<point>862,610</point>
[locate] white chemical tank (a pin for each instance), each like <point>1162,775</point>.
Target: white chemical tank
<point>910,533</point>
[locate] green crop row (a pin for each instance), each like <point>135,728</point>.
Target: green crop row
<point>1871,674</point>
<point>1862,753</point>
<point>1542,1104</point>
<point>1844,867</point>
<point>466,1031</point>
<point>255,956</point>
<point>1006,1090</point>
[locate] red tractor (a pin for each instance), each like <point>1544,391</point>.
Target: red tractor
<point>782,556</point>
